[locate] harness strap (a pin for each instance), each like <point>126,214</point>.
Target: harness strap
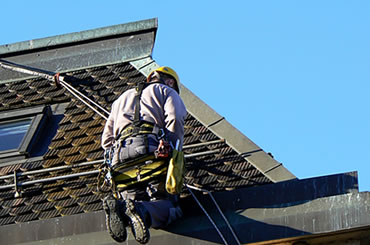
<point>142,128</point>
<point>139,126</point>
<point>139,89</point>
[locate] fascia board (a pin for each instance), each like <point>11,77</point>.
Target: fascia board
<point>272,169</point>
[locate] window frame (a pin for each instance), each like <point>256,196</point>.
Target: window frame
<point>38,115</point>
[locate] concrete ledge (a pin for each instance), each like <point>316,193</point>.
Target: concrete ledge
<point>283,210</point>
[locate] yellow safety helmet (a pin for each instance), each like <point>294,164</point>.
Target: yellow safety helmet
<point>169,71</point>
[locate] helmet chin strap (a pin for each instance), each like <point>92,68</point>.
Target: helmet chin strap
<point>158,80</point>
<point>162,81</point>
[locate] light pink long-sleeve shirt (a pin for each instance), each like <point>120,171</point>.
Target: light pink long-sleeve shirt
<point>159,104</point>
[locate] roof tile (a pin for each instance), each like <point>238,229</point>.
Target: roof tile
<point>68,202</point>
<point>51,197</point>
<point>4,212</point>
<point>71,210</point>
<point>26,217</point>
<point>88,199</point>
<point>60,143</point>
<point>51,162</point>
<point>49,214</point>
<point>41,207</point>
<point>81,192</point>
<point>12,203</point>
<point>92,207</point>
<point>75,159</point>
<point>20,210</point>
<point>7,220</point>
<point>35,200</point>
<point>30,165</point>
<point>81,117</point>
<point>9,169</point>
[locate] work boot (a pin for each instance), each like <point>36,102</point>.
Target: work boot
<point>116,223</point>
<point>140,221</point>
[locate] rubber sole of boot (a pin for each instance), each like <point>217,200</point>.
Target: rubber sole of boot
<point>114,220</point>
<point>138,228</point>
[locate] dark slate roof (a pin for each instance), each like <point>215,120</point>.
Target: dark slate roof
<point>233,161</point>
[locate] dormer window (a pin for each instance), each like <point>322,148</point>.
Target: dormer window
<point>12,133</point>
<point>20,131</point>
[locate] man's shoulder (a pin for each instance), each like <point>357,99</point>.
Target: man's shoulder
<point>163,88</point>
<point>156,85</point>
<point>125,95</point>
<point>128,92</point>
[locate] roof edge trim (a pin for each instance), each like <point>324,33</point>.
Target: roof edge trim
<point>73,37</point>
<point>102,46</point>
<point>247,149</point>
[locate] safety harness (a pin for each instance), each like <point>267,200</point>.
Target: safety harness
<point>123,169</point>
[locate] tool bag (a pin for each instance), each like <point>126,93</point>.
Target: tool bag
<point>175,172</point>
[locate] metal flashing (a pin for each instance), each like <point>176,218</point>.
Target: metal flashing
<point>82,36</point>
<point>272,169</point>
<point>286,209</point>
<point>145,65</point>
<point>63,53</point>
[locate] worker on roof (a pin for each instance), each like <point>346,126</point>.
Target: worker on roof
<point>144,120</point>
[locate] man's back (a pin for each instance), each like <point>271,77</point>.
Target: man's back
<point>159,104</point>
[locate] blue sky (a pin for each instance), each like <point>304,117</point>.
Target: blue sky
<point>293,76</point>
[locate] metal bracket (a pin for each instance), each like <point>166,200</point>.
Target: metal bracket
<point>17,188</point>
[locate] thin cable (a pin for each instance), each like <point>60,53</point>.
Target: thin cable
<point>59,80</point>
<point>85,97</point>
<point>223,216</point>
<point>219,210</point>
<point>83,101</point>
<point>208,216</point>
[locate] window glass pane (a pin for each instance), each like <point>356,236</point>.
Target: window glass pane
<point>12,133</point>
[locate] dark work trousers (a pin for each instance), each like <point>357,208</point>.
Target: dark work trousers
<point>162,207</point>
